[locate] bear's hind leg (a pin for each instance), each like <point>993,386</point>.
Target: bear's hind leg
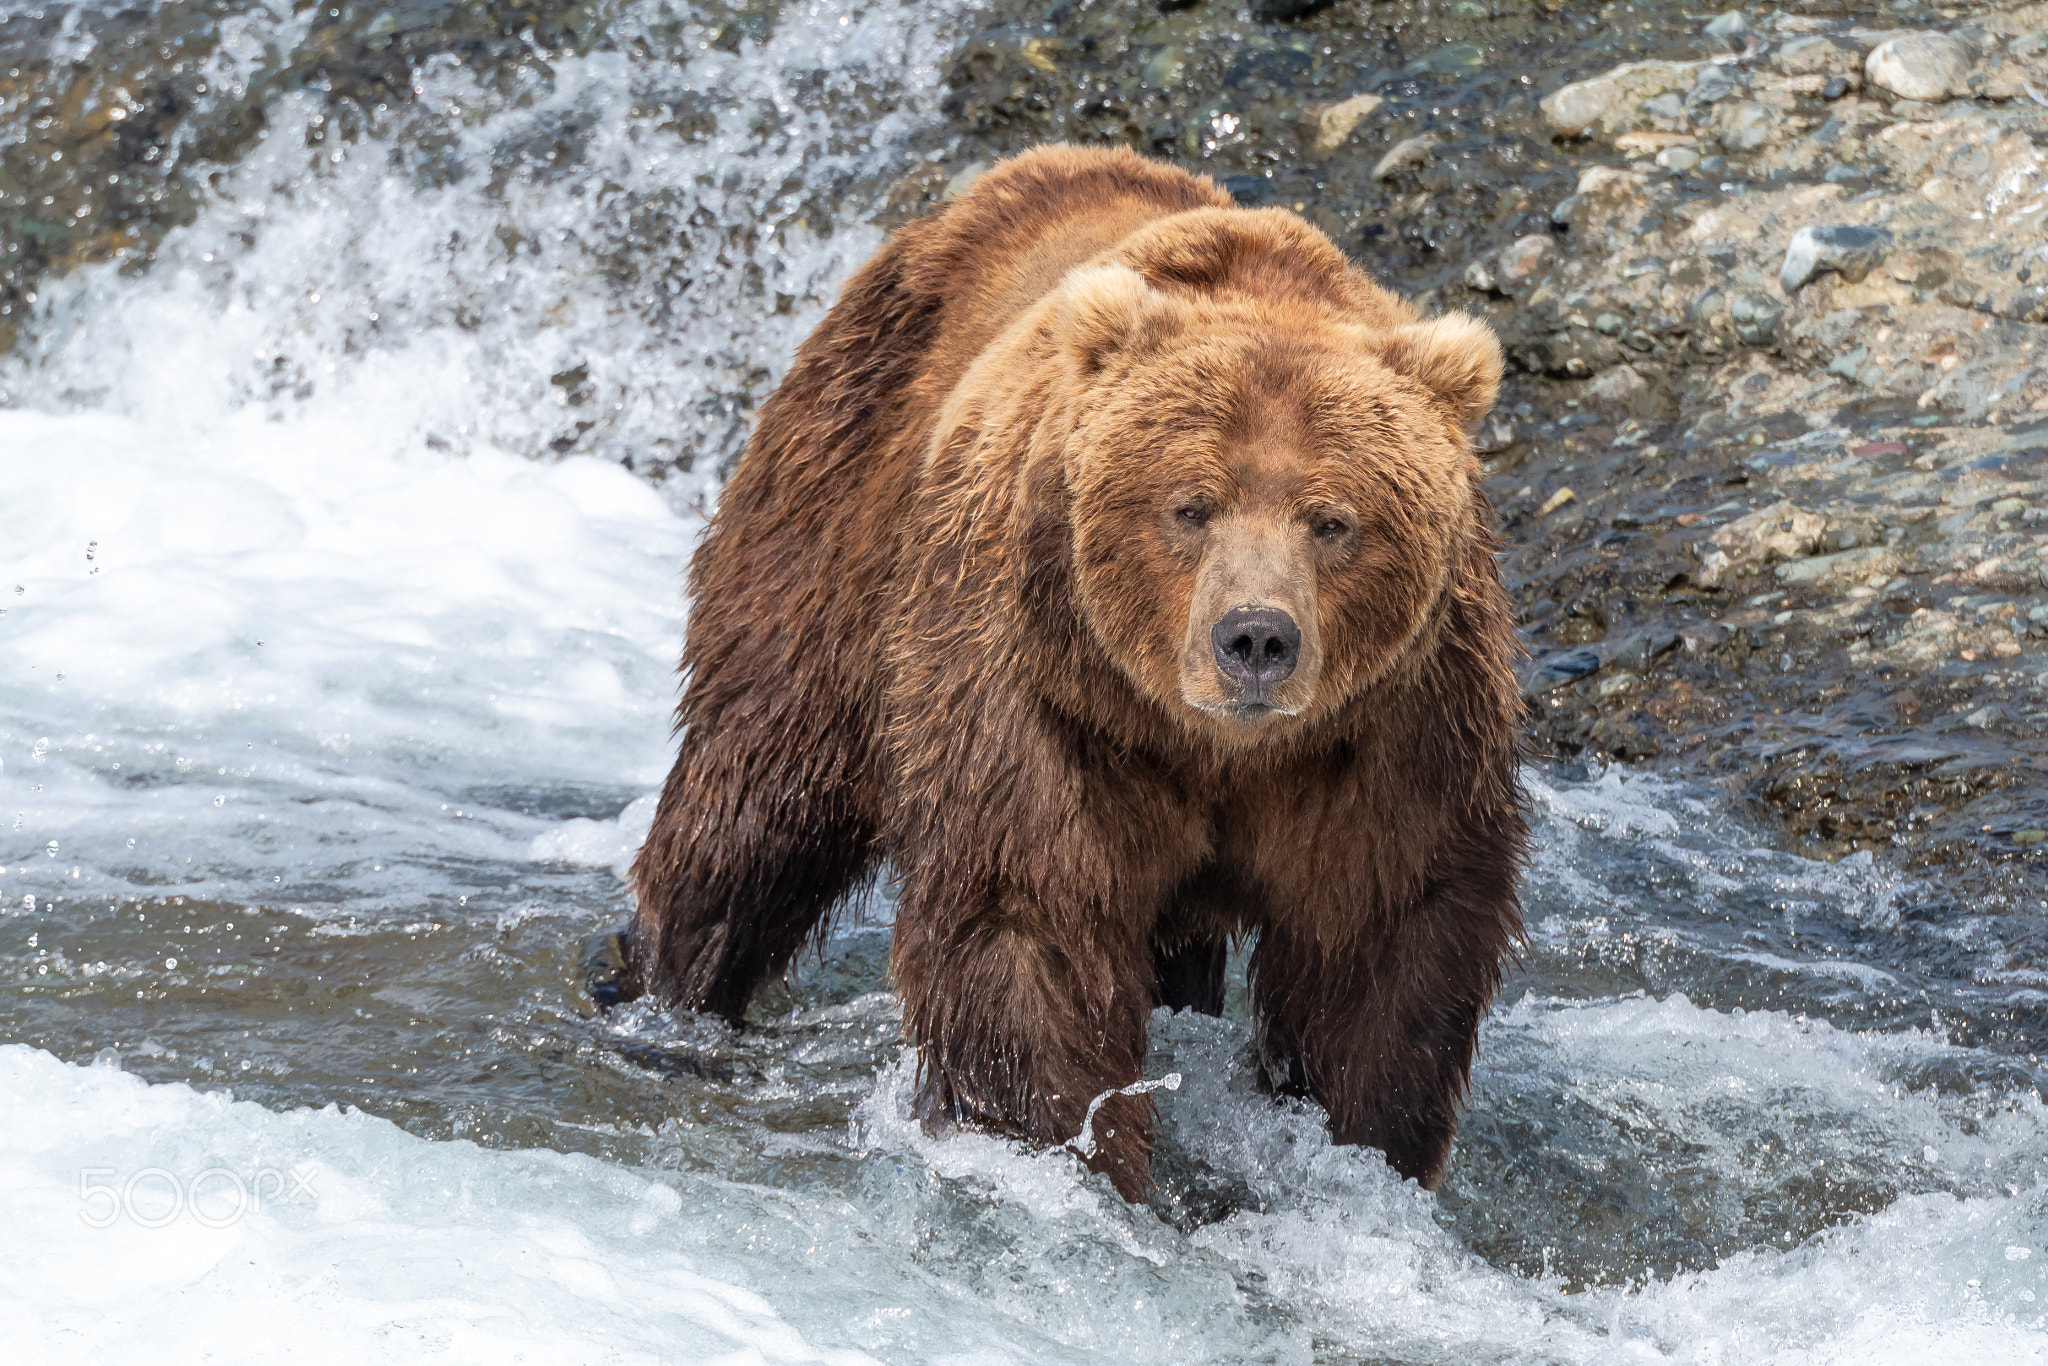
<point>1192,976</point>
<point>749,851</point>
<point>1191,943</point>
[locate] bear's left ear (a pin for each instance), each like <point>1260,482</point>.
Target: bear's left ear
<point>1456,357</point>
<point>1107,309</point>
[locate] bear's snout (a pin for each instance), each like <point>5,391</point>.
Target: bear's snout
<point>1256,648</point>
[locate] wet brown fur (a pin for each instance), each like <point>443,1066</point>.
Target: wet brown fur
<point>947,615</point>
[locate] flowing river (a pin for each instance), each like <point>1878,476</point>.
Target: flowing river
<point>341,541</point>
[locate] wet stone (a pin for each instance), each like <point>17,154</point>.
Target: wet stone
<point>1852,252</point>
<point>1929,67</point>
<point>1608,103</point>
<point>1732,29</point>
<point>1743,125</point>
<point>1714,83</point>
<point>1755,317</point>
<point>1555,671</point>
<point>1523,257</point>
<point>1406,155</point>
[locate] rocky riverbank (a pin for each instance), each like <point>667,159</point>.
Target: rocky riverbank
<point>1773,285</point>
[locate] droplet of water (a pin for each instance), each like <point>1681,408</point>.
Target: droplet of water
<point>51,848</point>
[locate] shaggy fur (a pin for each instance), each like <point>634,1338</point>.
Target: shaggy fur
<point>956,611</point>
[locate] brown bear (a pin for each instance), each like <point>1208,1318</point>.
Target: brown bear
<point>1113,563</point>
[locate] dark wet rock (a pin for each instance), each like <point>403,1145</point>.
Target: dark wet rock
<point>1555,670</point>
<point>1281,10</point>
<point>1850,252</point>
<point>1637,650</point>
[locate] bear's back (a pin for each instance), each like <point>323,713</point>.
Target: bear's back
<point>1004,244</point>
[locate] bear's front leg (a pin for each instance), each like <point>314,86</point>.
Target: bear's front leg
<point>1380,1027</point>
<point>1023,1015</point>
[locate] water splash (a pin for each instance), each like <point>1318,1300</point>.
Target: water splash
<point>1084,1142</point>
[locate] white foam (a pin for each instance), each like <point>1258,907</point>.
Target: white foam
<point>1345,1246</point>
<point>585,843</point>
<point>281,633</point>
<point>597,252</point>
<point>267,601</point>
<point>366,1245</point>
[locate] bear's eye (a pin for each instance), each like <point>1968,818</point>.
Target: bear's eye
<point>1193,515</point>
<point>1330,527</point>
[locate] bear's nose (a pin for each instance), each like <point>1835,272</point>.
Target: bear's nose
<point>1256,647</point>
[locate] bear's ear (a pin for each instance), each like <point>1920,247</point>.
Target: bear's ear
<point>1456,357</point>
<point>1107,309</point>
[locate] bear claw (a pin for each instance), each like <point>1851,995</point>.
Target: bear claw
<point>608,973</point>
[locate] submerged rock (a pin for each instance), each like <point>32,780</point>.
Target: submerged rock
<point>1408,152</point>
<point>1334,122</point>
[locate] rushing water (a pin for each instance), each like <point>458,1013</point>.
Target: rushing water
<point>334,679</point>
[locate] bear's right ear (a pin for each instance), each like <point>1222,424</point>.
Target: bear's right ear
<point>1107,309</point>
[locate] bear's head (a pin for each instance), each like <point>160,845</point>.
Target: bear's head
<point>1267,497</point>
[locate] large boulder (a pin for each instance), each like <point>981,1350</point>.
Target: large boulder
<point>1930,67</point>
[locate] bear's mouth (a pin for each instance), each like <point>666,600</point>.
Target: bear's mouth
<point>1254,709</point>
